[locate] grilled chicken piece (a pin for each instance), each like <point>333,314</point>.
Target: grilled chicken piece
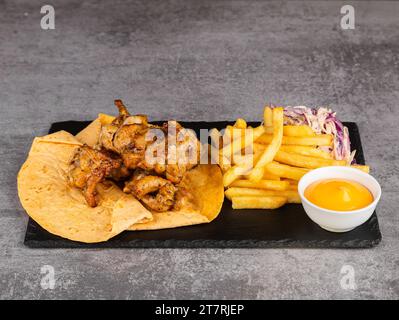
<point>155,192</point>
<point>183,151</point>
<point>125,145</point>
<point>90,167</point>
<point>128,136</point>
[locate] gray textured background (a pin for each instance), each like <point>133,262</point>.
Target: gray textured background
<point>191,60</point>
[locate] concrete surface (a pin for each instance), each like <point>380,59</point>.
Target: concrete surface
<point>192,60</point>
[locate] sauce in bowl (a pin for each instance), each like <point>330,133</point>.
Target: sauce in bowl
<point>339,194</point>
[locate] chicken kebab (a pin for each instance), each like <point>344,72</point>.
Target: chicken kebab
<point>149,160</point>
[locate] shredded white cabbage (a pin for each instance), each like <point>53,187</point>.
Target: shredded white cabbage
<point>323,120</point>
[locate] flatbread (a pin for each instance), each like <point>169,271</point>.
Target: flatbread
<point>90,134</point>
<point>61,209</point>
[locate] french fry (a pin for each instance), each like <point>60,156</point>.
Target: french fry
<point>291,195</point>
<point>268,117</point>
<point>236,172</point>
<point>307,151</point>
<point>228,133</point>
<point>251,202</point>
<point>278,119</point>
<point>240,124</point>
<point>361,167</point>
<point>249,137</point>
<point>241,158</point>
<point>291,181</point>
<point>262,184</point>
<point>269,176</point>
<point>265,138</point>
<point>243,167</point>
<point>243,164</point>
<point>318,140</point>
<point>293,184</point>
<point>232,133</point>
<point>298,131</point>
<point>303,150</point>
<point>225,150</point>
<point>246,157</point>
<point>282,154</point>
<point>268,120</point>
<point>306,161</point>
<point>239,170</point>
<point>258,147</point>
<point>105,118</point>
<point>285,171</point>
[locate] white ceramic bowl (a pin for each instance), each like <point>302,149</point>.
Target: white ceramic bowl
<point>339,221</point>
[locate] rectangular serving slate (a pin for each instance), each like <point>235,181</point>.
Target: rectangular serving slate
<point>287,227</point>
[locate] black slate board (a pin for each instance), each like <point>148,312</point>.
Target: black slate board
<point>287,227</point>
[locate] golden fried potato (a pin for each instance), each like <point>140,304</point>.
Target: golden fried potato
<point>291,195</point>
<point>240,124</point>
<point>306,161</point>
<point>361,167</point>
<point>262,184</point>
<point>307,151</point>
<point>318,140</point>
<point>298,131</point>
<point>285,171</point>
<point>251,202</point>
<point>271,150</point>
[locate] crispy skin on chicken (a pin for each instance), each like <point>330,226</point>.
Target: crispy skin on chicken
<point>155,192</point>
<point>130,137</point>
<point>159,158</point>
<point>126,135</point>
<point>90,167</point>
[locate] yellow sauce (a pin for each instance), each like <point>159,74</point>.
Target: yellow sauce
<point>339,194</point>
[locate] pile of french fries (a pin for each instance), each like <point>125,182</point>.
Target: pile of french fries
<point>262,165</point>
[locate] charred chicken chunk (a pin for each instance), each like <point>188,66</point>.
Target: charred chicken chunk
<point>90,167</point>
<point>158,155</point>
<point>155,192</point>
<point>126,136</point>
<point>177,149</point>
